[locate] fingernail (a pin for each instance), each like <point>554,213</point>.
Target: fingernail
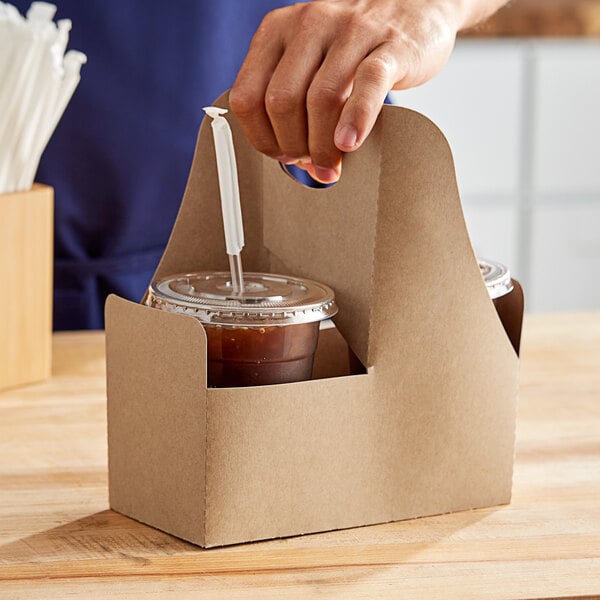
<point>346,136</point>
<point>326,175</point>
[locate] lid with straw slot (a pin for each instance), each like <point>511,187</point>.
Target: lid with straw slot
<point>266,300</point>
<point>496,276</point>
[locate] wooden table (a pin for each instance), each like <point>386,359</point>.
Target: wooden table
<point>542,18</point>
<point>59,540</point>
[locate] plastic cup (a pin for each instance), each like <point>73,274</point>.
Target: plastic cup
<point>500,287</point>
<point>497,280</point>
<point>266,336</point>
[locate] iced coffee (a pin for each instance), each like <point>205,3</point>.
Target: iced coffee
<point>266,335</point>
<point>500,287</point>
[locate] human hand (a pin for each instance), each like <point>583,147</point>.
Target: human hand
<point>317,73</point>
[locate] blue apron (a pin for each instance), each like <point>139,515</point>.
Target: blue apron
<point>120,156</point>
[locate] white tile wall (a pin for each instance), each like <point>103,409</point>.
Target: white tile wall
<point>476,102</point>
<point>523,120</point>
<point>493,231</point>
<point>565,272</point>
<point>567,117</point>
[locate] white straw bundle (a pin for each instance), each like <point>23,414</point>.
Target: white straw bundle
<point>37,80</point>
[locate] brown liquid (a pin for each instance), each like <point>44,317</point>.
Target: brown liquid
<point>512,326</point>
<point>246,356</point>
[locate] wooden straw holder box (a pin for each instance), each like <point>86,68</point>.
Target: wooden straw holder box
<point>26,260</point>
<point>428,428</point>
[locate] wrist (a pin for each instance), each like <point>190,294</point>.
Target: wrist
<point>454,13</point>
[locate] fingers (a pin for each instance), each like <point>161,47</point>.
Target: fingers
<point>311,86</point>
<point>313,31</point>
<point>325,99</point>
<point>285,96</point>
<point>375,76</point>
<point>305,98</point>
<point>247,96</point>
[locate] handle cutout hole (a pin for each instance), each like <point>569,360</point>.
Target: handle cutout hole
<point>303,178</point>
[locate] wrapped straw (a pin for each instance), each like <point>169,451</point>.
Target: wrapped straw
<point>233,225</point>
<point>38,80</point>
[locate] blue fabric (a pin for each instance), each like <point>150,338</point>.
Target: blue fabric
<point>120,156</point>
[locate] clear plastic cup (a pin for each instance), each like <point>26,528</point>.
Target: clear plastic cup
<point>500,287</point>
<point>497,280</point>
<point>267,335</point>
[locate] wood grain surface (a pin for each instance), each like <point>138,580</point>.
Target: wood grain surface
<point>542,18</point>
<point>26,263</point>
<point>59,540</point>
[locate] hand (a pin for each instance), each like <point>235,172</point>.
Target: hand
<point>317,73</point>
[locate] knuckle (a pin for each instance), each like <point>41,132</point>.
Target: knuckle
<point>358,27</point>
<point>281,102</point>
<point>268,21</point>
<point>378,69</point>
<point>412,52</point>
<point>266,28</point>
<point>312,14</point>
<point>324,96</point>
<point>394,34</point>
<point>244,102</point>
<point>266,146</point>
<point>294,144</point>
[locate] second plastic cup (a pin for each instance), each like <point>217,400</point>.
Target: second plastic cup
<point>500,288</point>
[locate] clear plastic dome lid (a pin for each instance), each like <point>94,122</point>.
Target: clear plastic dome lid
<point>496,276</point>
<point>267,299</point>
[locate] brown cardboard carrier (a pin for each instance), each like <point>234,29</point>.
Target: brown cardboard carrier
<point>427,429</point>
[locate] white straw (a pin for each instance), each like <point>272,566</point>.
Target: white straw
<point>72,66</point>
<point>45,71</point>
<point>38,80</point>
<point>230,194</point>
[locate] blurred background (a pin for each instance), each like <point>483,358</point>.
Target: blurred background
<point>520,105</point>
